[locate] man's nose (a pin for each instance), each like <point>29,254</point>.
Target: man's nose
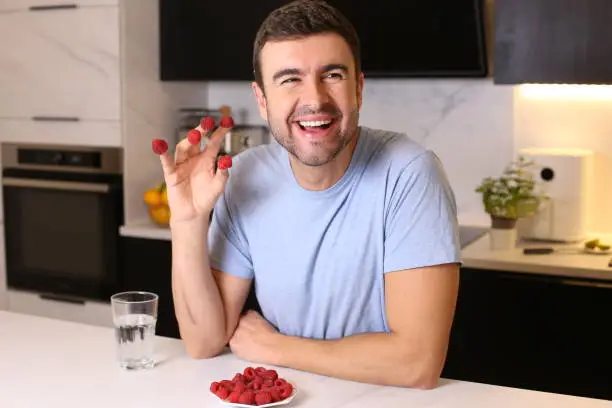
<point>314,93</point>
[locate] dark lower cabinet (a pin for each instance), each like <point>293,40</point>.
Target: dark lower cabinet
<point>147,265</point>
<point>534,332</point>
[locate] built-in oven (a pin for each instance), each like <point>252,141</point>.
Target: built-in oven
<point>63,206</point>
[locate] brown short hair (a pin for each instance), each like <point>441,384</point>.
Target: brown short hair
<point>301,18</point>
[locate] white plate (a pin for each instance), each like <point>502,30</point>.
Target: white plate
<point>273,404</point>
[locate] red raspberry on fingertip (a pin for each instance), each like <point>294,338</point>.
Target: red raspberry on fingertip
<point>159,146</point>
<point>225,162</point>
<point>227,122</point>
<point>194,136</point>
<point>207,124</point>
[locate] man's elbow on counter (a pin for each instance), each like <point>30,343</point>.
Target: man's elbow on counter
<point>200,349</point>
<point>423,376</point>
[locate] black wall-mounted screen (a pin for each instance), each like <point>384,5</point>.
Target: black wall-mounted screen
<point>202,40</point>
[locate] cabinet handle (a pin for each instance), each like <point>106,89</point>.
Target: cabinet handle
<point>587,284</point>
<point>64,299</point>
<point>53,7</point>
<point>56,118</point>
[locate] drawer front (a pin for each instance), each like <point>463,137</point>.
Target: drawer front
<point>86,133</point>
<point>98,314</point>
<point>51,5</point>
<point>61,63</point>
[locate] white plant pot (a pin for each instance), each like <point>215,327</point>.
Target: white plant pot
<point>503,239</point>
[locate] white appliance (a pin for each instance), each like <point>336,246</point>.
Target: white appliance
<point>565,175</point>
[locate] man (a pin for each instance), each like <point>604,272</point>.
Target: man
<point>349,234</point>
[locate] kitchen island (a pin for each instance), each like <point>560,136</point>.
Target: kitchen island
<point>52,363</point>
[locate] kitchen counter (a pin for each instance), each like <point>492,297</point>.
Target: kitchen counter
<point>146,229</point>
<point>52,363</point>
<point>575,264</point>
<point>476,254</point>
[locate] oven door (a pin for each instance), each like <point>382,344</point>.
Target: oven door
<point>61,234</point>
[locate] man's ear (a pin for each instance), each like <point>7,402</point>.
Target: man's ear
<point>261,100</point>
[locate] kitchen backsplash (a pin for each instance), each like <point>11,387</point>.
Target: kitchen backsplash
<point>468,123</point>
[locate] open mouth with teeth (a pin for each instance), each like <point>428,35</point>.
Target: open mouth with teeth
<point>315,124</point>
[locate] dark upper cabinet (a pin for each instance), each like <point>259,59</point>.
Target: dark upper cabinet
<point>553,41</point>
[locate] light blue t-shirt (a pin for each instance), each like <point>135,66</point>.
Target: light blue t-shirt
<point>318,258</point>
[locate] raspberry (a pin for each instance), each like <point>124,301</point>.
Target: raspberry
<point>247,398</point>
<point>225,162</point>
<point>279,382</point>
<point>194,136</point>
<point>222,393</point>
<point>234,397</point>
<point>270,375</point>
<point>260,370</point>
<point>227,384</point>
<point>275,394</point>
<point>240,387</point>
<point>227,122</point>
<point>263,397</point>
<point>285,390</point>
<point>238,378</point>
<point>159,146</point>
<point>207,124</point>
<point>214,387</point>
<point>249,372</point>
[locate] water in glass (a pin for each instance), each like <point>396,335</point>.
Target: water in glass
<point>135,317</point>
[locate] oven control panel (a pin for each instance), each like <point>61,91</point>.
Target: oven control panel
<point>59,157</point>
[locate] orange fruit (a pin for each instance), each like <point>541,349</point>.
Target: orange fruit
<point>152,197</point>
<point>160,214</point>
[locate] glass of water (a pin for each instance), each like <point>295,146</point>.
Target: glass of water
<point>134,317</point>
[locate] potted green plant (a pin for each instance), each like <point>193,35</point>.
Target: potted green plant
<point>509,197</point>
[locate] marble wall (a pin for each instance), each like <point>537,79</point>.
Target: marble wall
<point>467,122</point>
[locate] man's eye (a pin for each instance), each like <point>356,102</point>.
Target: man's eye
<point>335,75</point>
<point>289,80</point>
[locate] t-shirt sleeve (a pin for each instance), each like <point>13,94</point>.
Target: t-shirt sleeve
<point>227,243</point>
<point>421,227</point>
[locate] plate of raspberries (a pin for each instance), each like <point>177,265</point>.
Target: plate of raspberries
<point>254,386</point>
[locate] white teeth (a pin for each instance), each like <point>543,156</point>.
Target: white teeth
<point>315,123</point>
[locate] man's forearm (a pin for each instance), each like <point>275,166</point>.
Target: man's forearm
<point>375,358</point>
<point>197,301</point>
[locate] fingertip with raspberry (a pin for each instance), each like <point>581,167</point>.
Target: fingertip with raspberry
<point>227,122</point>
<point>224,162</point>
<point>159,146</point>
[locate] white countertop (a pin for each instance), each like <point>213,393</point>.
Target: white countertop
<point>51,363</point>
<point>149,230</point>
<point>145,229</point>
<point>476,255</point>
<point>575,265</point>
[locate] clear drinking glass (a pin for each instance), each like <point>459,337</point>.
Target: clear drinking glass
<point>135,317</point>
